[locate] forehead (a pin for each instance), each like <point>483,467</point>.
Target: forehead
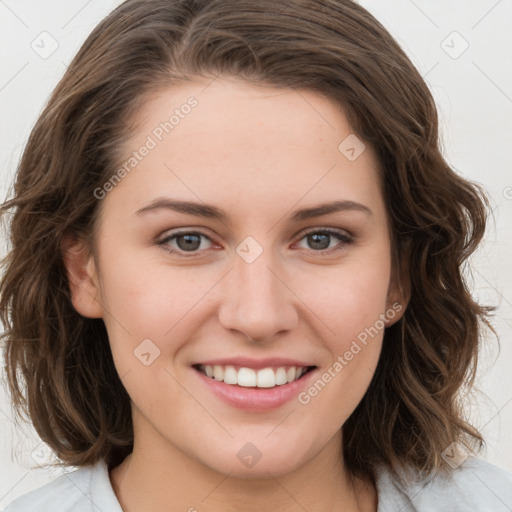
<point>229,141</point>
<point>243,111</point>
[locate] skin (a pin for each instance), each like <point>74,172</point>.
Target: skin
<point>259,153</point>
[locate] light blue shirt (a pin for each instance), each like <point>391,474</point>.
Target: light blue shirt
<point>476,486</point>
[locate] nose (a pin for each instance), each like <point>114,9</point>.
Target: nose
<point>257,298</point>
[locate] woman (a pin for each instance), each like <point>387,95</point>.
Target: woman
<point>306,351</point>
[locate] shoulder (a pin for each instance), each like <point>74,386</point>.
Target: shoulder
<point>476,485</point>
<point>86,489</point>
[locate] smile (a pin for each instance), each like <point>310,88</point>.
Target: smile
<point>269,377</point>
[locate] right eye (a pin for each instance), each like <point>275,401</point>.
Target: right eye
<point>186,242</point>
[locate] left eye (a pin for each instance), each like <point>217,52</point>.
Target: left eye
<point>319,238</point>
<point>190,241</point>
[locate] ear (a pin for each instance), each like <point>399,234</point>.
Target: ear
<point>82,277</point>
<point>399,292</point>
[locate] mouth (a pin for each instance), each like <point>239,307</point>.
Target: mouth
<point>241,376</point>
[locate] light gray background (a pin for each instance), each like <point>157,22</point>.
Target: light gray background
<point>473,90</point>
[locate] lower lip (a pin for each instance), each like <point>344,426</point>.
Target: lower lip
<point>256,399</point>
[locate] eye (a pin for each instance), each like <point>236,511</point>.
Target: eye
<point>187,241</point>
<point>320,240</point>
<point>191,241</point>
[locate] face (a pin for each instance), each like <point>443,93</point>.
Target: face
<point>248,281</point>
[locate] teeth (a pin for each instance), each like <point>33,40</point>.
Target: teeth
<point>265,378</point>
<point>291,373</point>
<point>218,373</point>
<point>281,377</point>
<point>230,375</point>
<point>247,377</point>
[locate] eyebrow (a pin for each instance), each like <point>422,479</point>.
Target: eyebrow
<point>214,212</point>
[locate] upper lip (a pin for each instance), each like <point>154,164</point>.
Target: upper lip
<point>248,362</point>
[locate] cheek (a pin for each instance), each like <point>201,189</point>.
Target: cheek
<point>139,305</point>
<point>351,305</point>
<point>349,298</point>
<point>148,298</point>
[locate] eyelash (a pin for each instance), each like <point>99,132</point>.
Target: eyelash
<point>342,237</point>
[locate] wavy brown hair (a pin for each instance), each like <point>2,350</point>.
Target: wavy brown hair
<point>72,394</point>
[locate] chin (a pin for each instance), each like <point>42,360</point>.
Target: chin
<point>250,463</point>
